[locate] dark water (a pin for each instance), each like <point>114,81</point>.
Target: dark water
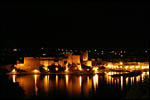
<point>75,86</point>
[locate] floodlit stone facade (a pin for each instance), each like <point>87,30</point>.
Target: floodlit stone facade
<point>32,63</point>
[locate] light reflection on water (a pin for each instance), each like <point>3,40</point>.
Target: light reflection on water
<point>14,78</point>
<point>74,85</point>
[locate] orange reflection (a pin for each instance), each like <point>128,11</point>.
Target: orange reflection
<point>46,83</point>
<point>88,79</point>
<point>56,80</point>
<point>74,85</point>
<point>109,79</point>
<point>87,86</point>
<point>80,80</point>
<point>117,81</point>
<point>95,81</point>
<point>131,80</point>
<point>143,75</point>
<point>137,78</point>
<point>36,86</point>
<point>67,80</point>
<point>121,82</point>
<point>127,80</point>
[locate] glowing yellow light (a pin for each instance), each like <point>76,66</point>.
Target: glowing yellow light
<point>121,63</point>
<point>46,69</point>
<point>88,69</point>
<point>145,67</point>
<point>14,71</point>
<point>95,81</point>
<point>109,73</point>
<point>143,75</point>
<point>137,67</point>
<point>109,66</point>
<point>56,80</point>
<point>127,80</point>
<point>120,66</point>
<point>126,67</point>
<point>67,69</point>
<point>80,68</point>
<point>95,69</point>
<point>132,80</point>
<point>56,68</point>
<point>121,82</point>
<point>147,73</point>
<point>46,83</point>
<point>21,64</point>
<point>67,80</point>
<point>137,78</point>
<point>14,78</point>
<point>131,67</point>
<point>36,87</point>
<point>80,80</point>
<point>36,71</point>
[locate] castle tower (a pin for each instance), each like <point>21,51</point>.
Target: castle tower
<point>85,56</point>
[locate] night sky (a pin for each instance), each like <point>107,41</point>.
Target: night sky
<point>91,24</point>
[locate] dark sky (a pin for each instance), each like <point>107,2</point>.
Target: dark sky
<point>80,24</point>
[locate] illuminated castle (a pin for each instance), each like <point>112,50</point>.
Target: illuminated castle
<point>85,59</point>
<point>31,63</point>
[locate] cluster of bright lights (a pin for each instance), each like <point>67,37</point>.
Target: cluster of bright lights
<point>145,67</point>
<point>126,67</point>
<point>109,66</point>
<point>137,67</point>
<point>111,73</point>
<point>131,67</point>
<point>112,66</point>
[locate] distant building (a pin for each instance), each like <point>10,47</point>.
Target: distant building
<point>32,63</point>
<point>85,56</point>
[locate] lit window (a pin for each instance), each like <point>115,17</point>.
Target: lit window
<point>44,54</point>
<point>15,50</point>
